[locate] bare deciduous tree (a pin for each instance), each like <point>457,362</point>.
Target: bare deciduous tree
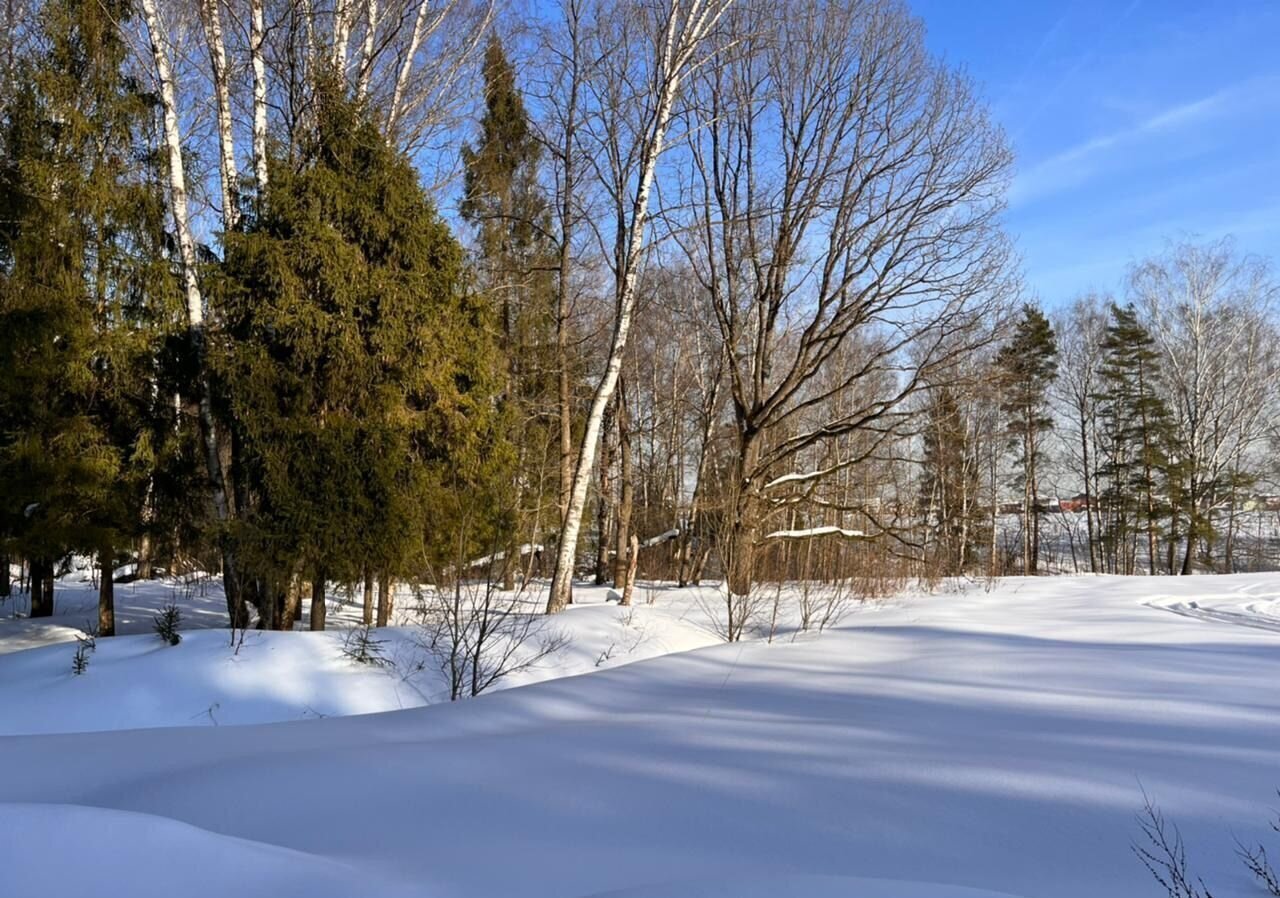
<point>645,55</point>
<point>1209,310</point>
<point>847,188</point>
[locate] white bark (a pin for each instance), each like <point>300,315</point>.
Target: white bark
<point>177,175</point>
<point>681,37</point>
<point>257,34</point>
<point>186,247</point>
<point>341,35</point>
<point>212,20</point>
<point>406,65</point>
<point>368,47</point>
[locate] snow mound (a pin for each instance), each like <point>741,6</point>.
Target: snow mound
<point>140,682</point>
<point>89,849</point>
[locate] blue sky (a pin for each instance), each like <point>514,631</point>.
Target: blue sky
<point>1134,122</point>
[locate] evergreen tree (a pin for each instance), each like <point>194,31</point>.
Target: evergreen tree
<point>1027,366</point>
<point>1135,433</point>
<point>85,299</point>
<point>360,371</point>
<point>504,203</point>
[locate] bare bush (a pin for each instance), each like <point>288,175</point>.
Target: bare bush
<point>823,605</point>
<point>479,634</point>
<point>1161,851</point>
<point>1256,861</point>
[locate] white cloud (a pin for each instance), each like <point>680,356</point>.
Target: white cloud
<point>1078,164</point>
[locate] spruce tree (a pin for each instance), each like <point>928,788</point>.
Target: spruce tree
<point>360,371</point>
<point>85,294</point>
<point>503,202</point>
<point>1027,365</point>
<point>1135,432</point>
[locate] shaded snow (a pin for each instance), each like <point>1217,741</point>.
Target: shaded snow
<point>996,741</point>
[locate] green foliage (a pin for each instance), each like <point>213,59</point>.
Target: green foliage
<point>167,622</point>
<point>86,294</point>
<point>503,201</point>
<point>1136,434</point>
<point>1028,364</point>
<point>359,370</point>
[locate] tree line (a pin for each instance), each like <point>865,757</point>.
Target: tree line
<point>313,292</point>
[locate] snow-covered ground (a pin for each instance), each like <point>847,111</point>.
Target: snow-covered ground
<point>966,743</point>
<point>215,678</point>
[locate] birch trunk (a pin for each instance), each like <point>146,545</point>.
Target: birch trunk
<point>257,34</point>
<point>416,37</point>
<point>212,16</point>
<point>367,48</point>
<point>341,35</point>
<point>680,39</point>
<point>194,301</point>
<point>626,491</point>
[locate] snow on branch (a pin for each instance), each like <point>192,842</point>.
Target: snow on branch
<point>666,536</point>
<point>798,477</point>
<point>830,530</point>
<point>501,556</point>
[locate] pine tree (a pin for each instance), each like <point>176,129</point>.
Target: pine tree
<point>359,370</point>
<point>1136,432</point>
<point>1027,366</point>
<point>85,297</point>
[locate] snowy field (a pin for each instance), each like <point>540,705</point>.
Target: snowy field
<point>959,744</point>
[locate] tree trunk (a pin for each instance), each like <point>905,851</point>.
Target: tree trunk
<point>406,66</point>
<point>41,588</point>
<point>318,608</point>
<point>257,35</point>
<point>629,583</point>
<point>212,16</point>
<point>194,301</point>
<point>679,50</point>
<point>1191,541</point>
<point>385,599</point>
<point>740,565</point>
<point>627,489</point>
<point>146,563</point>
<point>604,502</point>
<point>367,48</point>
<point>367,616</point>
<point>1088,491</point>
<point>6,588</point>
<point>106,593</point>
<point>292,609</point>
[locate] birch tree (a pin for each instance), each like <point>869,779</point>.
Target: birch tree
<point>1208,308</point>
<point>649,51</point>
<point>172,136</point>
<point>1075,392</point>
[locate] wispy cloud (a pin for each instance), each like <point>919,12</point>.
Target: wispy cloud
<point>1078,164</point>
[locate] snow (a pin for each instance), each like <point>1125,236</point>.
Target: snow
<point>209,679</point>
<point>969,743</point>
<point>829,530</point>
<point>664,536</point>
